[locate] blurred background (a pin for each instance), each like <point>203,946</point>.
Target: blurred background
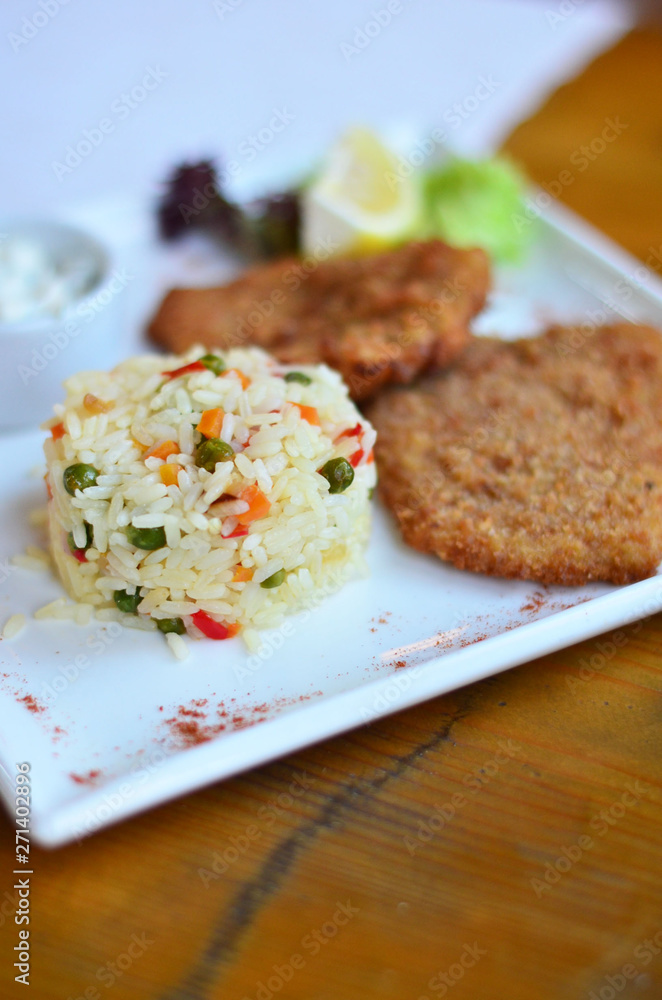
<point>220,68</point>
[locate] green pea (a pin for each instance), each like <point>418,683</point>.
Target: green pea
<point>89,538</point>
<point>339,474</point>
<point>298,377</point>
<point>211,451</point>
<point>213,363</point>
<point>146,538</point>
<point>274,580</point>
<point>371,492</point>
<point>79,477</point>
<point>128,603</point>
<point>170,625</point>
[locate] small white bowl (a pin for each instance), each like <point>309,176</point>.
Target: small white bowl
<point>40,351</point>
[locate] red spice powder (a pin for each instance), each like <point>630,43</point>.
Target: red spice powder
<point>191,733</point>
<point>188,728</point>
<point>535,602</point>
<point>31,704</point>
<point>85,779</point>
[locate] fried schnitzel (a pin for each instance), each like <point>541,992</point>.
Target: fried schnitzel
<point>534,459</point>
<point>376,319</point>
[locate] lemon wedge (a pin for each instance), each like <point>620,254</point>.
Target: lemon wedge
<point>360,201</point>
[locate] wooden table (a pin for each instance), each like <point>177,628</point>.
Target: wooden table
<point>500,842</point>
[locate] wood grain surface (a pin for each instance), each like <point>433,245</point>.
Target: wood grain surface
<point>495,844</point>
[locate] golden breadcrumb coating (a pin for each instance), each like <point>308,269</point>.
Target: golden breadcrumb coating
<point>376,319</point>
<point>539,459</point>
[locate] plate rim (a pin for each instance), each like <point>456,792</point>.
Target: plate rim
<point>189,769</point>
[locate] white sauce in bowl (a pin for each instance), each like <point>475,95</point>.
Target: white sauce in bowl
<point>35,283</point>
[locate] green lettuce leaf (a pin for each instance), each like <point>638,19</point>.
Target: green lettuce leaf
<point>478,203</point>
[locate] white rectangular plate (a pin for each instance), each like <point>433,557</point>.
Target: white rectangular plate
<point>112,724</point>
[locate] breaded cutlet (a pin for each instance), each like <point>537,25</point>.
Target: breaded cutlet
<point>534,459</point>
<point>377,319</point>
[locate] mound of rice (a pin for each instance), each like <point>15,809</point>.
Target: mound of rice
<point>263,515</point>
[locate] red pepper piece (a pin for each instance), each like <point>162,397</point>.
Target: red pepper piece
<point>356,458</point>
<point>351,432</point>
<point>79,554</point>
<point>239,531</point>
<point>213,629</point>
<point>195,366</point>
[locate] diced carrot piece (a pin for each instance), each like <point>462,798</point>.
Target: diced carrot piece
<point>169,474</point>
<point>370,458</point>
<point>356,458</point>
<point>211,423</point>
<point>244,379</point>
<point>308,413</point>
<point>95,405</point>
<point>242,574</point>
<point>57,432</point>
<point>258,505</point>
<point>163,450</point>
